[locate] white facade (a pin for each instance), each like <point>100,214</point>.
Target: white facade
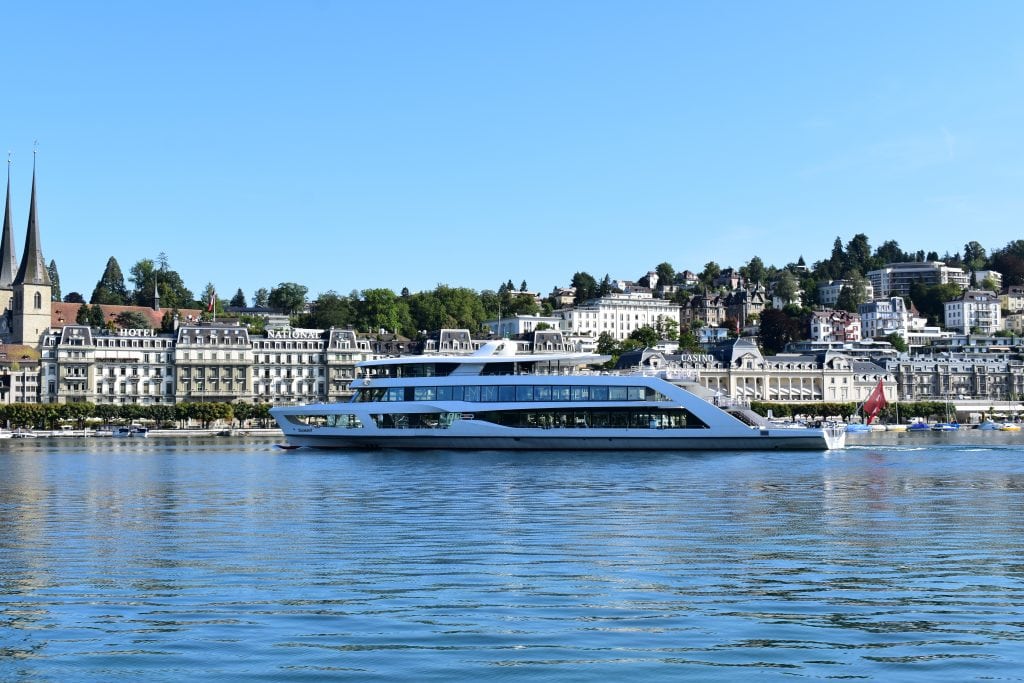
<point>882,318</point>
<point>895,279</point>
<point>516,325</point>
<point>131,366</point>
<point>617,314</point>
<point>828,294</point>
<point>982,275</point>
<point>975,310</point>
<point>835,326</point>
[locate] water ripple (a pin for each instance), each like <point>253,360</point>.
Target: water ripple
<point>229,560</point>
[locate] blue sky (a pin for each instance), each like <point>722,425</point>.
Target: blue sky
<point>347,145</point>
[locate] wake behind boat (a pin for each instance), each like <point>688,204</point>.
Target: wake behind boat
<point>497,399</point>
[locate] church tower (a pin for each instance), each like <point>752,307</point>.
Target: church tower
<point>8,266</point>
<point>32,287</point>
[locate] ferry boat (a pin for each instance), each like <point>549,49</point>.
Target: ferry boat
<point>497,399</point>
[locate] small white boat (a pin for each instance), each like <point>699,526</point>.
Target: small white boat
<point>135,431</point>
<point>987,426</point>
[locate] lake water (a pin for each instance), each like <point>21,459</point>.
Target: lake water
<point>899,558</point>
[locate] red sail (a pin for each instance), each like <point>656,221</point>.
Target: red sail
<point>875,402</point>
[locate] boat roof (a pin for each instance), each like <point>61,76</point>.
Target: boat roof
<point>491,352</point>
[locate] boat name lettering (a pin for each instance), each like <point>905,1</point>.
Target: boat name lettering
<point>137,333</point>
<point>293,334</point>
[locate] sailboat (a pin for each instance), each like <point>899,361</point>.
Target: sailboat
<point>871,407</point>
<point>947,426</point>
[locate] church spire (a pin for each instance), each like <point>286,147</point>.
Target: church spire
<point>8,261</point>
<point>33,268</point>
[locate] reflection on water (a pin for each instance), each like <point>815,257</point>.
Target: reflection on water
<point>894,559</point>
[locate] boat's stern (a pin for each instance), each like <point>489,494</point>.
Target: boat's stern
<point>835,436</point>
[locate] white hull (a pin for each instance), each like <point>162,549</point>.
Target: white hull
<point>756,440</point>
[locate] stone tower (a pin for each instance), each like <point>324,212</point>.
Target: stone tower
<point>32,286</point>
<point>8,266</point>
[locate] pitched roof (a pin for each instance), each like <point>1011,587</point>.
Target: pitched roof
<point>33,269</point>
<point>63,313</point>
<point>8,260</point>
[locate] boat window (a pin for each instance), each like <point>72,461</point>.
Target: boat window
<point>471,394</point>
<point>345,420</point>
<point>581,393</point>
<point>424,394</point>
<point>636,393</point>
<point>598,393</point>
<point>560,393</point>
<point>506,393</point>
<point>524,393</point>
<point>616,393</point>
<point>456,393</point>
<point>488,394</point>
<point>542,393</point>
<point>444,393</point>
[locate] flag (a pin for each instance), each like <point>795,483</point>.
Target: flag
<point>213,302</point>
<point>875,402</point>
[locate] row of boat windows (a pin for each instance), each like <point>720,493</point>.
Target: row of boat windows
<point>612,418</point>
<point>509,393</point>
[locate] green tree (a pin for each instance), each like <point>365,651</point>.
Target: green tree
<point>289,297</point>
<point>930,300</point>
<point>132,320</point>
<point>754,271</point>
<point>238,300</point>
<point>261,299</point>
<point>379,309</point>
<point>606,344</point>
<point>54,281</point>
<point>707,276</point>
<point>776,330</point>
<point>897,342</point>
<point>689,343</point>
<point>173,293</point>
<point>82,317</point>
<point>669,328</point>
<point>586,287</point>
<point>96,317</point>
<point>974,256</point>
<point>890,252</point>
<point>786,287</point>
<point>329,310</point>
<point>167,321</point>
<point>74,298</point>
<point>666,274</point>
<point>646,335</point>
<point>110,289</point>
<point>1010,262</point>
<point>858,253</point>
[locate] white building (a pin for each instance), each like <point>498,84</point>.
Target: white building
<point>895,279</point>
<point>617,314</point>
<point>513,326</point>
<point>129,366</point>
<point>975,310</point>
<point>881,318</point>
<point>835,326</point>
<point>828,293</point>
<point>982,275</point>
